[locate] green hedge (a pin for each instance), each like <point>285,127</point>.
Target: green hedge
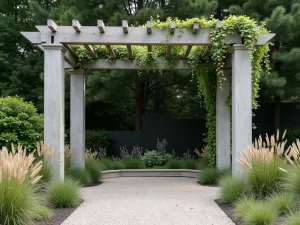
<point>19,123</point>
<point>94,139</point>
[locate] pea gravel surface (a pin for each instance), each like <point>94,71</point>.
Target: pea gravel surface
<point>149,201</point>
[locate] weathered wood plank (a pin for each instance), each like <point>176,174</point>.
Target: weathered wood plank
<point>101,26</point>
<point>195,28</point>
<point>70,49</point>
<point>130,52</point>
<point>70,59</point>
<point>149,27</point>
<point>169,48</point>
<point>91,50</point>
<point>125,26</point>
<point>120,64</point>
<point>111,51</point>
<point>187,51</point>
<point>172,27</point>
<point>33,37</point>
<point>136,36</point>
<point>52,25</point>
<point>76,25</point>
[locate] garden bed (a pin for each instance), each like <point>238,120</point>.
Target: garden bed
<point>150,173</point>
<point>59,215</point>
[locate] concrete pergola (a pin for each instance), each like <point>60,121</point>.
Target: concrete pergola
<point>56,43</point>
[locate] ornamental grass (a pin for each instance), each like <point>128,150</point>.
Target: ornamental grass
<point>17,164</point>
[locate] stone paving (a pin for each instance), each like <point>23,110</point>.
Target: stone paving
<point>149,201</point>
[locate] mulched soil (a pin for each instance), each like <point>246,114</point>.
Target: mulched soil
<point>229,211</point>
<point>59,215</point>
<point>208,185</point>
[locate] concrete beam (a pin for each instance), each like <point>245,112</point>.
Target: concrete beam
<point>77,119</point>
<point>54,105</point>
<point>223,123</point>
<point>241,105</point>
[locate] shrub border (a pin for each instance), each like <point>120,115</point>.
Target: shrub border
<point>151,173</point>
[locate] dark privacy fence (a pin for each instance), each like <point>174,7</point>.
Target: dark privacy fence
<point>184,134</point>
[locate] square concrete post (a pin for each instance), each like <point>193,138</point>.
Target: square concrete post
<point>241,105</point>
<point>223,123</point>
<point>77,133</point>
<point>54,105</point>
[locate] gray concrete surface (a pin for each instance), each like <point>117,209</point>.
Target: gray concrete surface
<point>151,200</point>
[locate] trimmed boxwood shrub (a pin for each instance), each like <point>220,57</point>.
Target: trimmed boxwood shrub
<point>19,123</point>
<point>155,158</point>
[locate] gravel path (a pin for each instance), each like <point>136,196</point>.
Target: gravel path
<point>149,201</point>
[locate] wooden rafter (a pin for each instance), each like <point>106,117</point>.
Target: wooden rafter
<point>128,36</point>
<point>91,50</point>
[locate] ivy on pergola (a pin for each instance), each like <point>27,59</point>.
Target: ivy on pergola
<point>236,43</point>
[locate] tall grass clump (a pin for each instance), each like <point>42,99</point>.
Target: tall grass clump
<point>63,193</point>
<point>190,164</point>
<point>265,179</point>
<point>283,202</point>
<point>251,211</point>
<point>81,175</point>
<point>118,165</point>
<point>293,219</point>
<point>211,175</point>
<point>174,164</point>
<point>19,200</point>
<point>133,164</point>
<point>108,164</point>
<point>263,161</point>
<point>232,188</point>
<point>93,167</point>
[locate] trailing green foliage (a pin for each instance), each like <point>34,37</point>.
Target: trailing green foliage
<point>232,188</point>
<point>211,175</point>
<point>265,179</point>
<point>19,123</point>
<point>155,158</point>
<point>63,193</point>
<point>94,169</point>
<point>190,164</point>
<point>19,202</point>
<point>133,164</point>
<point>82,176</point>
<point>174,164</point>
<point>283,202</point>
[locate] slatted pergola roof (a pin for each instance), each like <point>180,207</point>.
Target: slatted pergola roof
<point>56,42</point>
<point>126,36</point>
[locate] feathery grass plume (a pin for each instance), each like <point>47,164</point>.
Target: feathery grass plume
<point>264,151</point>
<point>90,155</point>
<point>17,164</point>
<point>293,152</point>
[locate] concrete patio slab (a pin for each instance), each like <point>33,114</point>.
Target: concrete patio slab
<point>149,201</point>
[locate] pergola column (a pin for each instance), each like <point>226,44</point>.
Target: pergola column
<point>54,105</point>
<point>241,105</point>
<point>223,123</point>
<point>77,132</point>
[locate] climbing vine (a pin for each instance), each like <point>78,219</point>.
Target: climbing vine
<point>219,36</point>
